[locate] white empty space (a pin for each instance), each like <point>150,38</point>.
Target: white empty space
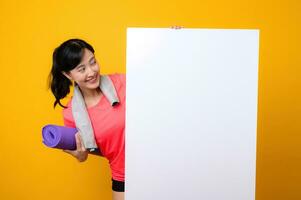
<point>191,114</point>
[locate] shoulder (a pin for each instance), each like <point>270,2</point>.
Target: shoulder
<point>67,115</point>
<point>119,81</point>
<point>68,109</point>
<point>118,78</point>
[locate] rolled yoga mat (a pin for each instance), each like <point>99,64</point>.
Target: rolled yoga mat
<point>60,137</point>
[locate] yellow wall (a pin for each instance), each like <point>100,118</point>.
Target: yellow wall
<point>30,30</point>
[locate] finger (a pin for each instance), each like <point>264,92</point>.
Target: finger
<point>78,143</point>
<point>82,143</point>
<point>68,151</point>
<point>177,27</point>
<point>72,153</point>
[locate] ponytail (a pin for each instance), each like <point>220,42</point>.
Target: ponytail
<point>59,84</point>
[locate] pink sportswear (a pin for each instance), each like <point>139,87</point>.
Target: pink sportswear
<point>108,123</point>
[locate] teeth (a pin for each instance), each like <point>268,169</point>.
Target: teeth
<point>92,79</point>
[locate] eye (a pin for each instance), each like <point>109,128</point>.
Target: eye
<point>93,62</point>
<point>82,69</point>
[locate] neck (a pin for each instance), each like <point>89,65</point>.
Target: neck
<point>89,94</point>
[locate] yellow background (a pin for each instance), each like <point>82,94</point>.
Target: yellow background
<point>30,30</point>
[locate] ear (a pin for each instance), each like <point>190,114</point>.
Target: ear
<point>67,75</point>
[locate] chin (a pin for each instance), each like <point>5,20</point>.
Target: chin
<point>91,87</point>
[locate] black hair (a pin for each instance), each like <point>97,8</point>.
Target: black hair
<point>65,58</point>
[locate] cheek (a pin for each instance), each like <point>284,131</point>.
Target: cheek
<point>78,77</point>
<point>96,67</point>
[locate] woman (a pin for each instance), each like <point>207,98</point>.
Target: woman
<point>74,63</point>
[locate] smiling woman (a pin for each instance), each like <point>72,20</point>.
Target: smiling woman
<point>74,62</point>
<point>86,76</point>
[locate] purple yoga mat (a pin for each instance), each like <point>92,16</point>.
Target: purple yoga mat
<point>60,137</point>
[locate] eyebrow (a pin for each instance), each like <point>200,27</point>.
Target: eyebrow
<point>82,65</point>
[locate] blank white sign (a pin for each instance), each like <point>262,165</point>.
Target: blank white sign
<point>191,114</point>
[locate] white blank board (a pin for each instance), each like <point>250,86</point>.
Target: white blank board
<point>191,114</point>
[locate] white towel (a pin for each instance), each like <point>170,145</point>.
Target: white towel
<point>80,113</point>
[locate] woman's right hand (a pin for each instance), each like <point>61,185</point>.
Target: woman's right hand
<point>81,153</point>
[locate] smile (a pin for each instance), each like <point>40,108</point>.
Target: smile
<point>92,80</point>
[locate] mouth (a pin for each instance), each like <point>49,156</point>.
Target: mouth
<point>93,80</point>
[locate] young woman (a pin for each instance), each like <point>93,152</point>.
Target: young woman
<point>74,63</point>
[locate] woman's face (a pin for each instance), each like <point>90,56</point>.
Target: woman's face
<point>86,73</point>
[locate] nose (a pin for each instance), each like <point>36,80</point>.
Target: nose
<point>90,71</point>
